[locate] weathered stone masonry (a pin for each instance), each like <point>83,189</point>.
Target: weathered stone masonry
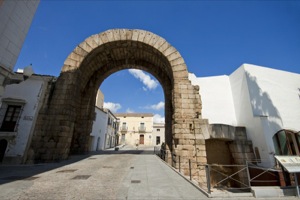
<point>65,122</point>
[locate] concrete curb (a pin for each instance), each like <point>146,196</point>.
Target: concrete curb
<point>188,180</point>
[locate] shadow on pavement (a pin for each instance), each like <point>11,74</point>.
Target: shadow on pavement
<point>27,172</point>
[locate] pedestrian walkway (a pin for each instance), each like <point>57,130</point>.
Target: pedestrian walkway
<point>127,174</point>
<point>153,179</point>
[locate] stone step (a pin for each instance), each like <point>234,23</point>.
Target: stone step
<point>273,191</point>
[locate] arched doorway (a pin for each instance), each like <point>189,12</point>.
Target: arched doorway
<point>68,115</point>
<point>3,146</point>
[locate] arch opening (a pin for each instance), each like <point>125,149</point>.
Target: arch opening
<point>137,101</point>
<point>106,60</point>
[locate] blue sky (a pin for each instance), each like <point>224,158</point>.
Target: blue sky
<point>214,38</point>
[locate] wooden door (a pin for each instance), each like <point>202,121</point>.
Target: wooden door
<point>141,139</point>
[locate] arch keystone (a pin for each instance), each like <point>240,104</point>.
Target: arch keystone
<point>116,34</point>
<point>122,34</point>
<point>142,35</point>
<point>128,34</point>
<point>135,35</point>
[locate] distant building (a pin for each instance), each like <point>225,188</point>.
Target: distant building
<point>111,136</point>
<point>158,134</point>
<point>254,106</point>
<point>99,99</point>
<point>15,20</point>
<point>139,129</point>
<point>97,140</point>
<point>21,102</point>
<point>105,127</point>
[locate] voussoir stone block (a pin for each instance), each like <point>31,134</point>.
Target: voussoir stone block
<point>116,34</point>
<point>147,37</point>
<point>135,35</point>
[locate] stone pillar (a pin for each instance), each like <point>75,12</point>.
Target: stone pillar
<point>55,124</point>
<point>188,138</point>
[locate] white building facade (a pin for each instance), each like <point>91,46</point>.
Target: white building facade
<point>105,127</point>
<point>265,101</point>
<point>140,129</point>
<point>21,103</point>
<point>158,134</point>
<point>97,139</point>
<point>111,135</point>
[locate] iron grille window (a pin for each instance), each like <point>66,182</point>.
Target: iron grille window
<point>11,118</point>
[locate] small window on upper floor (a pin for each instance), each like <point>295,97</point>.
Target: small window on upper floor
<point>158,130</point>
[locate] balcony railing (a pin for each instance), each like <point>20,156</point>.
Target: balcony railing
<point>123,128</point>
<point>142,129</point>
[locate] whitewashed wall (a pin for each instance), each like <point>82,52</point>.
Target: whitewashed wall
<point>216,96</point>
<point>111,130</point>
<point>160,133</point>
<point>264,100</point>
<point>32,91</point>
<point>244,113</point>
<point>275,100</point>
<point>99,130</point>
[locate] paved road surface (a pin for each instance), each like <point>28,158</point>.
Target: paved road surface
<point>126,174</point>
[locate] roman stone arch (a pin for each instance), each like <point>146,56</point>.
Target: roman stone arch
<point>65,121</point>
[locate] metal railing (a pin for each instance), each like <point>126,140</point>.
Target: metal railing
<point>229,177</point>
<point>123,128</point>
<point>235,178</point>
<point>175,160</point>
<point>259,174</point>
<point>142,129</point>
